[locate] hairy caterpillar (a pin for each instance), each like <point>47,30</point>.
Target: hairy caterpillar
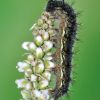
<point>49,53</point>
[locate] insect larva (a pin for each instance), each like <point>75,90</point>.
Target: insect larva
<point>68,38</point>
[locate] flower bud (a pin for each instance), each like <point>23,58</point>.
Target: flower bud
<point>35,84</point>
<point>43,84</point>
<point>49,64</point>
<point>33,63</point>
<point>26,94</point>
<point>47,46</point>
<point>39,53</point>
<point>46,94</point>
<point>32,46</point>
<point>38,40</point>
<point>35,33</point>
<point>39,68</point>
<point>48,53</point>
<point>40,22</point>
<point>29,46</point>
<point>22,66</point>
<point>25,45</point>
<point>28,72</point>
<point>49,22</point>
<point>44,18</point>
<point>21,83</point>
<point>45,36</point>
<point>47,75</point>
<point>51,32</point>
<point>33,77</point>
<point>46,57</point>
<point>41,32</point>
<point>45,26</point>
<point>47,14</point>
<point>28,86</point>
<point>30,57</point>
<point>36,93</point>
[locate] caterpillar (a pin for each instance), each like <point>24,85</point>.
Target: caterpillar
<point>50,53</point>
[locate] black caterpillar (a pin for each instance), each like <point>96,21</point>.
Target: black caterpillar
<point>68,45</point>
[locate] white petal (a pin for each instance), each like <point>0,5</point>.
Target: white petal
<point>33,77</point>
<point>49,54</point>
<point>20,83</point>
<point>33,63</point>
<point>45,35</point>
<point>35,85</point>
<point>38,40</point>
<point>26,94</point>
<point>48,57</point>
<point>39,52</point>
<point>39,68</point>
<point>28,86</point>
<point>43,84</point>
<point>47,45</point>
<point>28,72</point>
<point>52,65</point>
<point>37,93</point>
<point>30,57</point>
<point>49,64</point>
<point>25,45</point>
<point>41,32</point>
<point>22,66</point>
<point>46,94</point>
<point>47,75</point>
<point>32,46</point>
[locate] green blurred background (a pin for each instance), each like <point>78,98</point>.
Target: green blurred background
<point>17,16</point>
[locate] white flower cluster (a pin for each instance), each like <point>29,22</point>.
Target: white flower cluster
<point>39,64</point>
